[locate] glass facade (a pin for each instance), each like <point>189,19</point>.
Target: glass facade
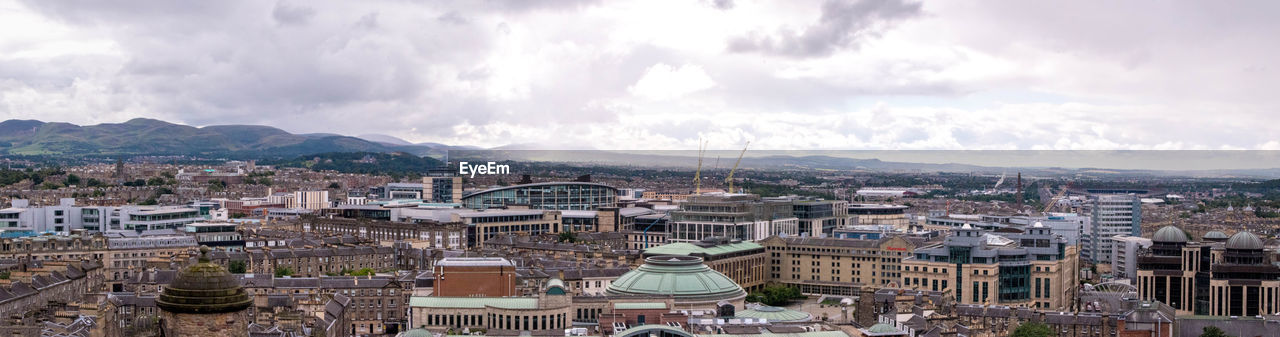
<point>550,196</point>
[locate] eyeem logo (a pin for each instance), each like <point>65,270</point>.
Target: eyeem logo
<point>483,169</point>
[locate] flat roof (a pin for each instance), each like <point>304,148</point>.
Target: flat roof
<point>685,248</point>
<point>640,305</point>
<point>473,302</point>
<point>474,261</point>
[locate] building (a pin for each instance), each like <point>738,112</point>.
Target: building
<point>1113,214</point>
<point>821,217</point>
<point>742,262</point>
<point>204,300</point>
<point>879,214</point>
<point>475,277</point>
<point>1031,269</point>
<point>830,266</point>
<point>442,188</point>
<point>422,233</point>
<point>216,235</point>
<point>552,196</point>
<point>1124,255</point>
<point>1174,271</point>
<point>690,283</point>
<point>743,217</point>
<point>66,217</point>
<point>550,311</point>
<point>1244,282</point>
<point>313,200</point>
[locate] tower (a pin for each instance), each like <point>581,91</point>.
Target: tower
<point>204,300</point>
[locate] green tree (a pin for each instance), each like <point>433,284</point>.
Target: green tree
<point>236,267</point>
<point>73,179</point>
<point>775,295</point>
<point>568,237</point>
<point>1213,331</point>
<point>155,181</point>
<point>334,186</point>
<point>1032,329</point>
<point>284,271</point>
<point>363,272</point>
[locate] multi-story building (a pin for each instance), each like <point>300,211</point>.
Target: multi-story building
<point>313,200</point>
<point>830,266</point>
<point>1214,278</point>
<point>821,217</point>
<point>1175,271</point>
<point>879,214</point>
<point>551,310</point>
<point>66,217</point>
<point>1113,214</point>
<point>736,216</point>
<point>309,261</point>
<point>743,262</point>
<point>1031,269</point>
<point>422,233</point>
<point>474,276</point>
<point>1124,255</point>
<point>1244,281</point>
<point>552,196</point>
<point>378,303</point>
<point>442,188</point>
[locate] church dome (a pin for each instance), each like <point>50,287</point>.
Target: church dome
<point>204,288</point>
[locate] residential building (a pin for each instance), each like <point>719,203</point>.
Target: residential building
<point>1124,255</point>
<point>1113,214</point>
<point>313,200</point>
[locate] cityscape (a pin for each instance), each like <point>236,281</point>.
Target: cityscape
<point>707,168</point>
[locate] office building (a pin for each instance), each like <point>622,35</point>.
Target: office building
<point>1124,255</point>
<point>743,217</point>
<point>474,277</point>
<point>550,196</point>
<point>313,200</point>
<point>830,266</point>
<point>1175,271</point>
<point>1113,214</point>
<point>821,217</point>
<point>878,214</point>
<point>743,262</point>
<point>1034,268</point>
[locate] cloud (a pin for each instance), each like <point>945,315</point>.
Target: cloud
<point>844,24</point>
<point>291,15</point>
<point>663,82</point>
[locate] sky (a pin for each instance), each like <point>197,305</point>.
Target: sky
<point>637,75</point>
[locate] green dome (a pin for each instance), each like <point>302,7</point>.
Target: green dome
<point>1170,234</point>
<point>204,288</point>
<point>773,314</point>
<point>1244,241</point>
<point>683,277</point>
<point>882,328</point>
<point>419,332</point>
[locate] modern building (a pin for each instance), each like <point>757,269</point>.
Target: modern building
<point>551,196</point>
<point>1244,283</point>
<point>474,277</point>
<point>1113,214</point>
<point>1175,271</point>
<point>742,262</point>
<point>1124,255</point>
<point>830,266</point>
<point>313,200</point>
<point>442,188</point>
<point>67,216</point>
<point>690,283</point>
<point>821,217</point>
<point>1034,268</point>
<point>743,217</point>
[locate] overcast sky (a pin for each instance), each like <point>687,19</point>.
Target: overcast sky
<point>662,74</point>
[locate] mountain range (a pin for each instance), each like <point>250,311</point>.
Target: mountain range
<point>143,136</point>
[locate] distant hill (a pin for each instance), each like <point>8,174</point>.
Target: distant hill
<point>396,163</point>
<point>385,139</point>
<point>154,137</point>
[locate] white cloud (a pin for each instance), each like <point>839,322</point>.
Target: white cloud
<point>664,82</point>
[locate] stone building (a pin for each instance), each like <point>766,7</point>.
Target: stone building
<point>204,300</point>
<point>743,262</point>
<point>830,266</point>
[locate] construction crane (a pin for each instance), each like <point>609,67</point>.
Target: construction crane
<point>697,175</point>
<point>729,179</point>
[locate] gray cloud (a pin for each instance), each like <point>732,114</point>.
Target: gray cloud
<point>844,24</point>
<point>292,15</point>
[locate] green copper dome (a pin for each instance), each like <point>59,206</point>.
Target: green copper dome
<point>773,314</point>
<point>684,277</point>
<point>1170,234</point>
<point>204,288</point>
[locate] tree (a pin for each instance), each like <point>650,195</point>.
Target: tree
<point>284,271</point>
<point>155,181</point>
<point>1032,329</point>
<point>775,295</point>
<point>73,179</point>
<point>236,267</point>
<point>1213,331</point>
<point>334,186</point>
<point>568,237</point>
<point>363,272</point>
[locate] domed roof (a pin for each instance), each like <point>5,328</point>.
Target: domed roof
<point>1215,235</point>
<point>1244,240</point>
<point>204,288</point>
<point>882,328</point>
<point>684,277</point>
<point>1170,234</point>
<point>774,314</point>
